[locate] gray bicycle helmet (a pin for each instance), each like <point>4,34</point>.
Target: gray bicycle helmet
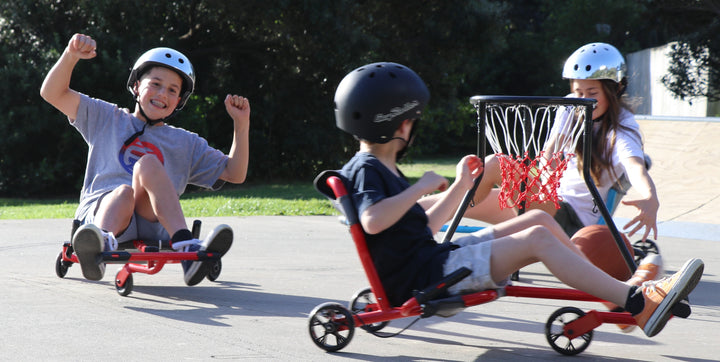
<point>596,61</point>
<point>168,58</point>
<point>372,101</point>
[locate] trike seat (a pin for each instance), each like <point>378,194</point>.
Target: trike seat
<point>333,185</point>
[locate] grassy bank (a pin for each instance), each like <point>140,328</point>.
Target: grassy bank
<point>297,198</point>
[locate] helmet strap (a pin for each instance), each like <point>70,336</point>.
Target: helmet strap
<point>403,151</point>
<point>148,121</point>
<point>622,87</point>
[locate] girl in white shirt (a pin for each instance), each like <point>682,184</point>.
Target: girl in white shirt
<point>598,71</point>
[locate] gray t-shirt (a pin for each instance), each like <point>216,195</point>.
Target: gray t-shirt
<point>186,156</point>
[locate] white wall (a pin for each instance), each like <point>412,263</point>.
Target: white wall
<point>647,93</point>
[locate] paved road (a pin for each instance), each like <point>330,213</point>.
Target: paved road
<point>278,270</point>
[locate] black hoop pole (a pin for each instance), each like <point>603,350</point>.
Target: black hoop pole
<point>481,140</point>
<point>597,199</point>
<point>479,103</point>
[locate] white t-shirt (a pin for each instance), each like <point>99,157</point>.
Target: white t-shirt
<point>186,156</point>
<point>572,187</point>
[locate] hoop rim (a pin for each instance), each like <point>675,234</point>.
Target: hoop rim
<point>549,100</point>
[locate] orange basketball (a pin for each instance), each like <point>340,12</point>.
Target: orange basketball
<point>597,243</point>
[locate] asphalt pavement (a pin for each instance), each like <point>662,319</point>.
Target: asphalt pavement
<point>277,271</point>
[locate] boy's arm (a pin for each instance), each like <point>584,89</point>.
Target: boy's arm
<point>441,207</point>
<point>444,208</point>
<point>236,169</point>
<point>56,87</point>
<point>386,212</point>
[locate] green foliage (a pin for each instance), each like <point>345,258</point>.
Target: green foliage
<point>287,57</point>
<point>540,35</point>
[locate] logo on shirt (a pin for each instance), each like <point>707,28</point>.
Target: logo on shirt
<point>131,153</point>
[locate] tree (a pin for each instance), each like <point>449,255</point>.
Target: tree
<point>694,28</point>
<point>286,57</point>
<point>541,34</point>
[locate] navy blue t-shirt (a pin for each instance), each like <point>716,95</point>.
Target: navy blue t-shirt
<point>406,256</point>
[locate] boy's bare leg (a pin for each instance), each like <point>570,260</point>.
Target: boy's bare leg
<point>155,196</point>
<point>116,210</point>
<point>488,209</point>
<point>533,218</point>
<point>537,243</point>
<point>486,206</point>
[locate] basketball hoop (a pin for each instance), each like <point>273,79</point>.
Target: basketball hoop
<point>533,139</point>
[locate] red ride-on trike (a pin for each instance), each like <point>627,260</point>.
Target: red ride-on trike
<point>568,330</point>
<point>139,256</point>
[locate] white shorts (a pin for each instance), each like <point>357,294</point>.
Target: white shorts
<point>473,253</point>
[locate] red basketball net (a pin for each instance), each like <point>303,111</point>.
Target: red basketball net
<point>533,143</point>
<point>526,179</point>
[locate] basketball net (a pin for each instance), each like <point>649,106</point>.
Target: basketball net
<point>533,144</point>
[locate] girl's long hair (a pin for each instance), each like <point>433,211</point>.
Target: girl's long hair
<point>602,146</point>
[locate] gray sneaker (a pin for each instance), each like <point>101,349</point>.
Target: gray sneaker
<point>219,241</point>
<point>88,243</point>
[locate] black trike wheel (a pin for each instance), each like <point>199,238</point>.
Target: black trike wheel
<point>331,326</point>
<point>126,288</point>
<point>61,267</point>
<point>646,247</point>
<point>364,301</point>
<point>555,332</point>
<point>215,269</point>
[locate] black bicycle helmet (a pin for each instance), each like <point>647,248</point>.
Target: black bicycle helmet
<point>372,101</point>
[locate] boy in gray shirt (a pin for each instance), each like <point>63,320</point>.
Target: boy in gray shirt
<point>138,166</point>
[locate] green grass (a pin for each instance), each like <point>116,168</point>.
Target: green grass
<point>442,166</point>
<point>37,209</point>
<point>297,198</point>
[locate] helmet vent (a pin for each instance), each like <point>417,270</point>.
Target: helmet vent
<point>357,115</point>
<point>588,67</point>
<point>167,55</point>
<point>392,75</point>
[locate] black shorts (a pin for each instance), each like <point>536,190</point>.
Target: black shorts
<point>568,219</point>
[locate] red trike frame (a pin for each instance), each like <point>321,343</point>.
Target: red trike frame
<point>149,259</point>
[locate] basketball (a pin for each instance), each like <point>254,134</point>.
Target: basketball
<point>597,243</point>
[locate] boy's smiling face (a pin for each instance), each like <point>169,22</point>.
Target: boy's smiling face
<point>158,92</point>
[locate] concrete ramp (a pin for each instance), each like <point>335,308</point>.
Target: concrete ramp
<point>686,161</point>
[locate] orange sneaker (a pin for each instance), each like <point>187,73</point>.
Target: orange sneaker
<point>649,269</point>
<point>660,296</point>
